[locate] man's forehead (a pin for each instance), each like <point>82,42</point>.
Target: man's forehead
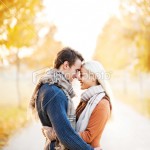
<point>78,64</point>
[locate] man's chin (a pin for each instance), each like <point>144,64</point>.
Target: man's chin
<point>71,80</point>
<point>82,87</point>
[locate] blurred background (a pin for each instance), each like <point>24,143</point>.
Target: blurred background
<point>114,32</point>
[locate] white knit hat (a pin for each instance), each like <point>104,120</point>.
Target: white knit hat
<point>98,70</point>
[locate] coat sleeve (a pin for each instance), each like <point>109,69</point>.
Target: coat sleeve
<point>56,110</point>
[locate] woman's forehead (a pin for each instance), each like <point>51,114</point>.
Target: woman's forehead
<point>83,70</point>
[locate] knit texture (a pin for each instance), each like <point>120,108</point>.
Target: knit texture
<point>52,105</point>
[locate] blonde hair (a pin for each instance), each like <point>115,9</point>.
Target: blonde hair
<point>98,70</point>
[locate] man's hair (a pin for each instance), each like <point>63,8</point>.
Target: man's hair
<point>67,54</point>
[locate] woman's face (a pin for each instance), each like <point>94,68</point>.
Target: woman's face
<point>86,79</point>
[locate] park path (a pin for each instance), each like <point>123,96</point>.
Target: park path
<point>127,130</point>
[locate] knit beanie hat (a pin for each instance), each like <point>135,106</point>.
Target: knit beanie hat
<point>98,70</point>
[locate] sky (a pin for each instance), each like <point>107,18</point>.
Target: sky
<point>79,22</point>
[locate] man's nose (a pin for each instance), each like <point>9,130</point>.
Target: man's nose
<point>78,76</point>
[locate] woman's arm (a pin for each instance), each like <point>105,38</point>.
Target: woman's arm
<point>97,121</point>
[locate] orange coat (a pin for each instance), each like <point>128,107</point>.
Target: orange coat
<point>97,122</point>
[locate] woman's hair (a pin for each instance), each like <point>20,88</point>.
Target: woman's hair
<point>98,70</point>
<point>67,54</point>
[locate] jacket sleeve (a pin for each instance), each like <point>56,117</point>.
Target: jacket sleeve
<point>97,122</point>
<point>56,108</point>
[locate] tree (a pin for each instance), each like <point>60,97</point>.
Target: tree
<point>17,28</point>
<point>124,41</point>
<point>136,15</point>
<point>112,48</point>
<point>45,52</point>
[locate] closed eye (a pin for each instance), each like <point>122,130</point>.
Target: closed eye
<point>77,70</point>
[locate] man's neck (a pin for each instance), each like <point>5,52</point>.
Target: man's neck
<point>61,70</point>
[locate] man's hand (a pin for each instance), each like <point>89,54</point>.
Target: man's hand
<point>97,148</point>
<point>49,133</point>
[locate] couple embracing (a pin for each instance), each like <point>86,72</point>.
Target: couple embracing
<point>64,127</point>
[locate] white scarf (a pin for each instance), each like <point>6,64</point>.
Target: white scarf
<point>93,95</point>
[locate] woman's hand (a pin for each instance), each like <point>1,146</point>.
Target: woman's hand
<point>49,133</point>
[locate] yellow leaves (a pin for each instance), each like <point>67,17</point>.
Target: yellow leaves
<point>124,42</point>
<point>18,22</point>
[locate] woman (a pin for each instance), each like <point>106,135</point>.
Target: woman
<point>95,106</point>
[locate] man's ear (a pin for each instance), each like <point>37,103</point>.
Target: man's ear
<point>66,65</point>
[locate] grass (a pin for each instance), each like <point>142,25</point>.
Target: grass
<point>12,118</point>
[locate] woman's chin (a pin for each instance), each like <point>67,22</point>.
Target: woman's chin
<point>82,87</point>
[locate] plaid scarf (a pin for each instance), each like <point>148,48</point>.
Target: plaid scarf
<point>56,77</point>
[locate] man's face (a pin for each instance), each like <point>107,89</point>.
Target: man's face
<point>73,71</point>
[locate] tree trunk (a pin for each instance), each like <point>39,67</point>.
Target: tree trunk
<point>125,82</point>
<point>17,79</point>
<point>141,94</point>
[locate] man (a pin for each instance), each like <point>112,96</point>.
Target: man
<point>52,100</point>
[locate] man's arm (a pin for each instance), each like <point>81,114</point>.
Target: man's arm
<point>56,111</point>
